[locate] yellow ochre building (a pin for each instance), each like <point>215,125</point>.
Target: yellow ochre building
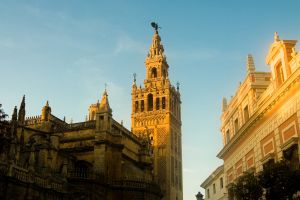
<point>156,111</point>
<point>260,124</point>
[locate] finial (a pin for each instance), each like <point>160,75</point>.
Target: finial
<point>105,87</point>
<point>47,103</point>
<point>155,26</point>
<point>224,104</point>
<point>134,77</point>
<point>250,64</point>
<point>276,37</point>
<point>178,84</point>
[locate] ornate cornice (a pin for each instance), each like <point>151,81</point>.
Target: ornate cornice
<point>266,106</point>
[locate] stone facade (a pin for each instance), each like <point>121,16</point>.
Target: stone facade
<point>156,113</point>
<point>44,157</point>
<point>261,122</point>
<point>214,185</point>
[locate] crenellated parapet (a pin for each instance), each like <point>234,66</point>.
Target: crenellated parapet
<point>33,120</point>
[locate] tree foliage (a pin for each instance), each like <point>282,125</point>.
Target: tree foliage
<point>247,187</point>
<point>278,180</point>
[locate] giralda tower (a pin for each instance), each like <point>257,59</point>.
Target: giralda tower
<point>156,111</point>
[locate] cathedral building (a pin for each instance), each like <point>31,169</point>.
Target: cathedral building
<point>44,157</point>
<point>261,123</point>
<point>156,111</point>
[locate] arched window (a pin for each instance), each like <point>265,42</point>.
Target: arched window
<point>142,105</point>
<point>157,103</point>
<point>163,103</point>
<point>136,106</point>
<point>150,102</point>
<point>153,72</point>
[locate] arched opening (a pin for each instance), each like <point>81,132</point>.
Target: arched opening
<point>150,102</point>
<point>154,72</point>
<point>83,169</point>
<point>136,106</point>
<point>142,105</point>
<point>157,103</point>
<point>163,103</point>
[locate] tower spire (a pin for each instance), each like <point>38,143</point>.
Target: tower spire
<point>21,116</point>
<point>104,105</point>
<point>156,48</point>
<point>250,64</point>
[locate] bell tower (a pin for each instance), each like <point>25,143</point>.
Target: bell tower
<point>156,111</point>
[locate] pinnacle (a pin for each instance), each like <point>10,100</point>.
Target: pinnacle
<point>104,105</point>
<point>250,64</point>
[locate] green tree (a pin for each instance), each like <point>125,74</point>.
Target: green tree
<point>247,187</point>
<point>280,181</point>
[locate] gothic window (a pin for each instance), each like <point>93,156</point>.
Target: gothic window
<point>157,103</point>
<point>164,73</point>
<point>154,72</point>
<point>136,106</point>
<point>142,105</point>
<point>150,102</point>
<point>163,103</point>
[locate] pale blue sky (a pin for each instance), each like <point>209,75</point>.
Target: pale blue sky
<point>64,51</point>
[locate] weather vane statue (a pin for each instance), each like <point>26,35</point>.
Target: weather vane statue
<point>155,26</point>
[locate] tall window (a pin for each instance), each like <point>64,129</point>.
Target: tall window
<point>163,103</point>
<point>246,114</point>
<point>214,188</point>
<point>208,195</point>
<point>236,125</point>
<point>136,106</point>
<point>142,106</point>
<point>150,102</point>
<point>227,136</point>
<point>153,72</point>
<point>157,103</point>
<point>221,182</point>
